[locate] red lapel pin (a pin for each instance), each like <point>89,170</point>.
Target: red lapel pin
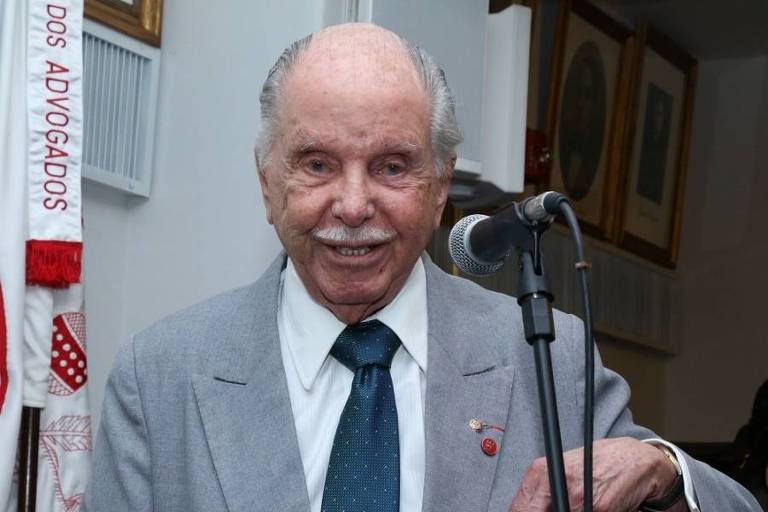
<point>489,446</point>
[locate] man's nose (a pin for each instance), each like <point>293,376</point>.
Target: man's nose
<point>353,203</point>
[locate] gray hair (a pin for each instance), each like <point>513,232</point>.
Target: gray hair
<point>444,128</point>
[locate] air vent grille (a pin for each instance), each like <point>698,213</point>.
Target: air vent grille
<point>119,99</point>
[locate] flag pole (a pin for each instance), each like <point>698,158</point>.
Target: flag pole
<point>29,441</point>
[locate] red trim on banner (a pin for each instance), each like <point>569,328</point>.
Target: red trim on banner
<point>54,264</point>
<point>3,352</point>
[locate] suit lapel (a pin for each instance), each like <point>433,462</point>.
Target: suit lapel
<point>465,380</point>
<point>246,412</point>
<point>459,475</point>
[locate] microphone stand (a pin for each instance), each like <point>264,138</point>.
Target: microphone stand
<point>535,299</point>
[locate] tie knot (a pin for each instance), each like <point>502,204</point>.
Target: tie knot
<point>366,344</point>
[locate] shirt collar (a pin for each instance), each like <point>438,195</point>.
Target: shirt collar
<point>311,329</point>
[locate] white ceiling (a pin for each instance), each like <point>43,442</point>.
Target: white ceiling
<point>707,29</point>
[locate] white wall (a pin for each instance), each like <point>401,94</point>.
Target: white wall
<point>724,250</point>
<point>202,230</point>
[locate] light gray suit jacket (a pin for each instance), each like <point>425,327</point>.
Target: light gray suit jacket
<point>197,414</point>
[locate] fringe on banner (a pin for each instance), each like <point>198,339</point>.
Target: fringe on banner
<point>53,263</point>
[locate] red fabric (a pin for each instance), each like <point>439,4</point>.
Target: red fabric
<point>69,365</point>
<point>3,353</point>
<point>53,264</point>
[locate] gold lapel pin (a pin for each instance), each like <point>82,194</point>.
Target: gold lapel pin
<point>478,425</point>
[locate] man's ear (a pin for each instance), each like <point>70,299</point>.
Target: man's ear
<point>443,186</point>
<point>264,180</point>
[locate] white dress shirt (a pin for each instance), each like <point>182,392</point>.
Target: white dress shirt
<point>319,385</point>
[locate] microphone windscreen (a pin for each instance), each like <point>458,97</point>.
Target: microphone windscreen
<point>461,251</point>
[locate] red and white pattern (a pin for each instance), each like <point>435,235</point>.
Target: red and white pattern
<point>54,143</point>
<point>40,158</point>
<point>65,424</point>
<point>64,437</point>
<point>69,366</point>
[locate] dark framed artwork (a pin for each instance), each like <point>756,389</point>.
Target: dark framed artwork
<point>660,126</point>
<point>140,19</point>
<point>587,110</point>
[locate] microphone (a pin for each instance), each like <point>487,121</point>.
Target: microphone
<point>479,244</point>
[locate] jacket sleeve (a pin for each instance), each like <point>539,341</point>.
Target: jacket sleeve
<point>121,478</point>
<point>713,490</point>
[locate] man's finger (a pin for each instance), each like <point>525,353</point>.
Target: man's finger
<point>533,495</point>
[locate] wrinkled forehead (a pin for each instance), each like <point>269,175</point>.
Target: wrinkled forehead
<point>360,84</point>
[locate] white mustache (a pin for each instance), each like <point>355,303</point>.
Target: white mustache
<point>358,235</point>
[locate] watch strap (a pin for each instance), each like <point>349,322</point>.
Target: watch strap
<point>675,492</point>
<point>669,499</point>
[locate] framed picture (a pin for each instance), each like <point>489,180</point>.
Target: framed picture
<point>141,19</point>
<point>587,110</point>
<point>658,150</point>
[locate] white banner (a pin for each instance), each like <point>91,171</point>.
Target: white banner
<point>55,113</point>
<point>65,424</point>
<point>13,230</point>
<point>55,370</point>
<point>38,313</point>
<point>40,222</point>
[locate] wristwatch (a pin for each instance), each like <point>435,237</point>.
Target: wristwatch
<point>674,494</point>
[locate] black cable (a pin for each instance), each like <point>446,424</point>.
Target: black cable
<point>589,350</point>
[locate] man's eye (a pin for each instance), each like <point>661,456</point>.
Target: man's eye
<point>317,166</point>
<point>392,169</point>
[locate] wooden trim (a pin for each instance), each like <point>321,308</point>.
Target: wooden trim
<point>648,37</point>
<point>561,33</point>
<point>633,105</point>
<point>616,154</point>
<point>132,8</point>
<point>665,47</point>
<point>601,20</point>
<point>142,20</point>
<point>647,250</point>
<point>607,246</point>
<point>633,339</point>
<point>617,126</point>
<point>682,175</point>
<point>29,442</point>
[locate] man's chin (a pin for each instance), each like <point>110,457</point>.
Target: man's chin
<point>354,298</point>
<point>351,299</point>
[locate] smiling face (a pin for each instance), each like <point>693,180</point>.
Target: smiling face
<point>350,185</point>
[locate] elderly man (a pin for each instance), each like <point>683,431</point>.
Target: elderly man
<point>355,375</point>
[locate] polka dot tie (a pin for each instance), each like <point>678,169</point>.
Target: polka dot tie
<point>364,469</point>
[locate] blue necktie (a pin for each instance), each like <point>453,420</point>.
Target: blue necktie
<point>364,469</point>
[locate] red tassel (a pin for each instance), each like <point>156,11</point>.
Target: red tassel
<point>53,264</point>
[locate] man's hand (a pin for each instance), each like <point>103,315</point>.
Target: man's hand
<point>626,473</point>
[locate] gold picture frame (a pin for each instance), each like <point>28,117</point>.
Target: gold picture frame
<point>657,149</point>
<point>140,19</point>
<point>586,112</point>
